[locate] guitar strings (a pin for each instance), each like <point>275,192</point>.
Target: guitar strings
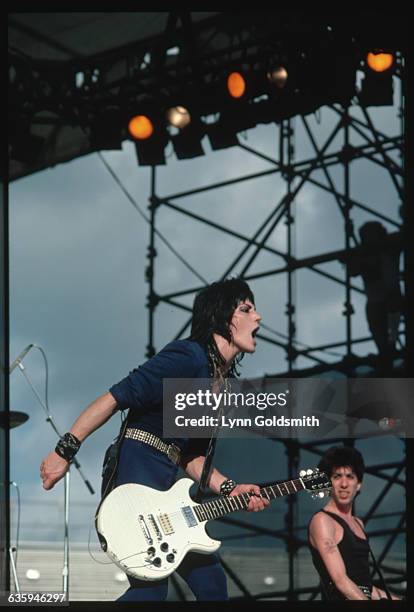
<point>214,501</point>
<point>179,512</point>
<point>204,504</point>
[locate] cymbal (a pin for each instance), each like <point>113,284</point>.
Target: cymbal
<point>12,419</point>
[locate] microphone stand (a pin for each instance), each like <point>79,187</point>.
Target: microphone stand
<point>13,549</point>
<point>75,462</point>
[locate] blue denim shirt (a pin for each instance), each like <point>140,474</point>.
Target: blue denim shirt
<point>142,390</point>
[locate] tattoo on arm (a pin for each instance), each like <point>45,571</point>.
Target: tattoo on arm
<point>329,545</point>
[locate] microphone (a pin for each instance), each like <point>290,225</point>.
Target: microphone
<point>18,359</point>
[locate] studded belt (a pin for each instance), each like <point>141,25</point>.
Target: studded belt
<point>172,451</point>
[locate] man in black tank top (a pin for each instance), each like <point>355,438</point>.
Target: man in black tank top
<point>337,540</point>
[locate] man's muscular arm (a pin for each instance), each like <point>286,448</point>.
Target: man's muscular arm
<point>322,537</point>
<point>54,467</point>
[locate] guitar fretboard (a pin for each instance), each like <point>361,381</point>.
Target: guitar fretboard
<point>224,505</point>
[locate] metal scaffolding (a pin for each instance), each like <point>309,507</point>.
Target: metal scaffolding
<point>46,97</point>
<point>386,152</point>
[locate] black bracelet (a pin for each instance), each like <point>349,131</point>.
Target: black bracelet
<point>68,446</point>
<point>227,486</point>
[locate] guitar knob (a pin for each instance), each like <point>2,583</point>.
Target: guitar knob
<point>170,558</point>
<point>151,551</point>
<point>156,562</point>
<point>164,547</point>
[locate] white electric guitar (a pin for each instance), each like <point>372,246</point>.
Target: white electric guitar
<point>147,533</point>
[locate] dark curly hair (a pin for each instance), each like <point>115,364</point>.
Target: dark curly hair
<point>341,456</point>
<point>213,309</point>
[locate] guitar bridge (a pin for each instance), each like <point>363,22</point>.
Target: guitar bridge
<point>145,529</point>
<point>155,526</point>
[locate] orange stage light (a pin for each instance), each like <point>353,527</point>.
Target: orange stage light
<point>380,62</point>
<point>236,85</point>
<point>140,127</point>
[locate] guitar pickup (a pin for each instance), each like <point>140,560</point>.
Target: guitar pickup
<point>165,523</point>
<point>190,519</point>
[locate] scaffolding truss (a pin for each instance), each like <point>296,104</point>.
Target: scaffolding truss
<point>385,152</point>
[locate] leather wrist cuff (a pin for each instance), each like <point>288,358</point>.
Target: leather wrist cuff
<point>68,446</point>
<point>227,486</point>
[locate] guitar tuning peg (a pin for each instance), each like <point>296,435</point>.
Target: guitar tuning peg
<point>309,472</point>
<point>302,473</point>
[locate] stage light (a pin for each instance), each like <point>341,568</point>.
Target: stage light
<point>178,116</point>
<point>233,119</point>
<point>223,134</point>
<point>379,61</point>
<point>187,143</point>
<point>377,90</point>
<point>147,128</point>
<point>221,137</point>
<point>236,85</point>
<point>140,127</point>
<point>151,152</point>
<point>277,77</point>
<point>377,85</point>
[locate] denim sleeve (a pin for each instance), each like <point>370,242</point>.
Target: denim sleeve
<point>143,386</point>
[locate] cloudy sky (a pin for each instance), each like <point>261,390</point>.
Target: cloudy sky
<point>77,289</point>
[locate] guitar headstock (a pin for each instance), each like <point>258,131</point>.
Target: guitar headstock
<point>316,482</point>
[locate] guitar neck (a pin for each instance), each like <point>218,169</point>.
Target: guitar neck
<point>225,505</point>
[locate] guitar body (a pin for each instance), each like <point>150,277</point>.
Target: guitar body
<point>147,533</point>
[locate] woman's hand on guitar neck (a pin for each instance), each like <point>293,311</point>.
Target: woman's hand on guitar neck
<point>257,502</point>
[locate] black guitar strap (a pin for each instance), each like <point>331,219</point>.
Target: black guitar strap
<point>202,485</point>
<point>110,462</point>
